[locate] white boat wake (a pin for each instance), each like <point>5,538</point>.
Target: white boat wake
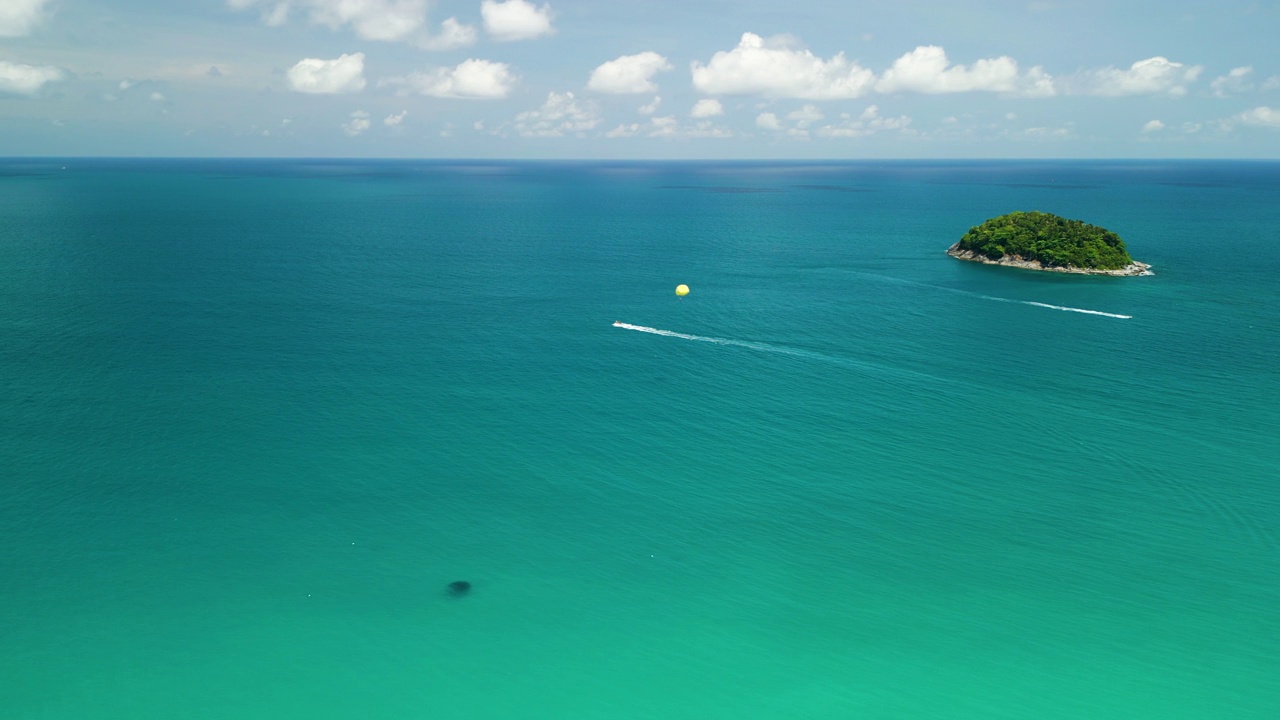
<point>763,347</point>
<point>958,291</point>
<point>898,373</point>
<point>1058,307</point>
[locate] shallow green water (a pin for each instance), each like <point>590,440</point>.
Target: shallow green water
<point>255,415</point>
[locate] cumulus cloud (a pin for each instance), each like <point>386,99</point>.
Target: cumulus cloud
<point>868,123</point>
<point>515,20</point>
<point>670,127</point>
<point>1040,133</point>
<point>560,114</point>
<point>708,129</point>
<point>452,35</point>
<point>624,131</point>
<point>1271,83</point>
<point>768,121</point>
<point>664,126</point>
<point>801,120</point>
<point>1156,75</point>
<point>20,17</point>
<point>805,116</point>
<point>396,119</point>
<point>385,20</point>
<point>651,107</point>
<point>157,97</point>
<point>707,107</point>
<point>474,79</point>
<point>344,74</point>
<point>389,20</point>
<point>20,79</point>
<point>628,74</point>
<point>1153,126</point>
<point>372,19</point>
<point>359,123</point>
<point>776,68</point>
<point>1262,116</point>
<point>927,70</point>
<point>1236,81</point>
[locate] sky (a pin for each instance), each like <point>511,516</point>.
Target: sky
<point>648,79</point>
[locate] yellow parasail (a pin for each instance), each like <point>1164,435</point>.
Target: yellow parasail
<point>682,290</point>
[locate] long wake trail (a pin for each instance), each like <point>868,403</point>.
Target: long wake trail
<point>1057,307</point>
<point>783,350</point>
<point>762,347</point>
<point>969,293</point>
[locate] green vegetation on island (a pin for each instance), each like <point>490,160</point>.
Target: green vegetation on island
<point>1048,240</point>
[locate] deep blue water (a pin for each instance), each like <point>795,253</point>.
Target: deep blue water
<point>256,415</point>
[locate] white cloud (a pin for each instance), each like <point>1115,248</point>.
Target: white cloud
<point>125,84</point>
<point>628,74</point>
<point>1153,126</point>
<point>1262,116</point>
<point>927,70</point>
<point>652,107</point>
<point>359,123</point>
<point>768,121</point>
<point>1145,77</point>
<point>20,79</point>
<point>344,74</point>
<point>664,126</point>
<point>708,129</point>
<point>623,131</point>
<point>805,116</point>
<point>1236,81</point>
<point>453,35</point>
<point>1037,83</point>
<point>670,127</point>
<point>395,120</point>
<point>868,123</point>
<point>476,79</point>
<point>560,114</point>
<point>1057,133</point>
<point>372,19</point>
<point>515,20</point>
<point>388,20</point>
<point>776,69</point>
<point>277,16</point>
<point>157,97</point>
<point>707,107</point>
<point>20,17</point>
<point>1271,83</point>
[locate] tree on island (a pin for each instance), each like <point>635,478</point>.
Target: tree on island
<point>1052,241</point>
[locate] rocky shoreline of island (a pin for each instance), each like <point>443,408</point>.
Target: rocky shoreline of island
<point>1133,269</point>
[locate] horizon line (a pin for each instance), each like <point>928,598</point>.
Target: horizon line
<point>583,160</point>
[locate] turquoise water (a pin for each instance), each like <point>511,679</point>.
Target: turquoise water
<point>256,415</point>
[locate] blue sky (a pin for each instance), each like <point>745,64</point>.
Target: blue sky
<point>658,79</point>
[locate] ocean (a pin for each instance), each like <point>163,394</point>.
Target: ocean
<point>256,415</point>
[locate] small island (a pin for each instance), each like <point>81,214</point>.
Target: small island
<point>1043,241</point>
